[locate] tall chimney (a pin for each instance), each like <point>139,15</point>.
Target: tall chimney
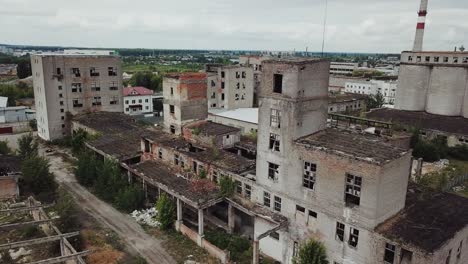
<point>418,40</point>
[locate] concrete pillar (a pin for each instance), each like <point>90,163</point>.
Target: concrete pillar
<point>231,219</point>
<point>200,227</point>
<point>419,169</point>
<point>62,247</point>
<point>129,177</point>
<point>256,252</point>
<point>179,214</point>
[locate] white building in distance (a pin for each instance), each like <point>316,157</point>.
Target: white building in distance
<point>343,67</point>
<point>373,87</point>
<point>74,82</point>
<point>137,100</point>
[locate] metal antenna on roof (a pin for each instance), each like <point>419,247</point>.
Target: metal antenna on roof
<point>324,26</point>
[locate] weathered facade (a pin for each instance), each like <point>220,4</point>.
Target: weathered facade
<point>74,83</point>
<point>184,100</point>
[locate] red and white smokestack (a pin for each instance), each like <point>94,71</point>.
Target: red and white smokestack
<point>418,40</point>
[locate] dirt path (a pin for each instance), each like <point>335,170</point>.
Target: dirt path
<point>131,232</point>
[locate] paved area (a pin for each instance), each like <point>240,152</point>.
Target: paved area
<point>134,236</point>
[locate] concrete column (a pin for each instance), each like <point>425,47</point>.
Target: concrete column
<point>256,252</point>
<point>62,248</point>
<point>200,227</point>
<point>129,177</point>
<point>179,214</point>
<point>231,219</point>
<point>419,168</point>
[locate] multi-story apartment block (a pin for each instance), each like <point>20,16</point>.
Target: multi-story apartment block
<point>137,100</point>
<point>373,87</point>
<point>71,83</point>
<point>230,87</point>
<point>343,68</point>
<point>184,100</point>
<point>254,62</point>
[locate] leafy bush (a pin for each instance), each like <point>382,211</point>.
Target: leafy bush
<point>37,177</point>
<point>239,248</point>
<point>109,181</point>
<point>312,252</point>
<point>27,146</point>
<point>86,169</point>
<point>166,212</point>
<point>66,208</point>
<point>130,198</point>
<point>4,148</point>
<point>227,186</point>
<point>459,152</point>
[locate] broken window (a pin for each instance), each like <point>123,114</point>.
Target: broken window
<point>406,256</point>
<point>274,142</point>
<point>244,75</point>
<point>277,205</point>
<point>275,118</point>
<point>60,87</point>
<point>172,129</point>
<point>310,170</point>
<point>278,83</point>
<point>465,60</point>
<point>147,146</point>
<point>312,214</point>
<point>112,71</point>
<point>243,97</point>
<point>353,190</point>
<point>61,102</point>
<point>93,72</point>
<point>418,59</point>
<point>446,59</point>
<point>266,199</point>
<point>300,209</point>
<point>275,235</point>
<point>95,87</point>
<point>410,58</point>
<point>428,59</point>
<point>389,256</point>
<point>248,191</point>
<point>195,166</point>
<point>76,72</point>
<point>172,91</point>
<point>353,237</point>
<point>222,85</point>
<point>59,71</point>
<point>113,86</point>
<point>62,110</point>
<point>455,59</point>
<point>222,74</point>
<point>160,154</point>
<point>436,59</point>
<point>213,84</point>
<point>239,187</point>
<point>237,75</point>
<point>273,171</point>
<point>295,249</point>
<point>222,96</point>
<point>76,87</point>
<point>77,103</point>
<point>340,227</point>
<point>237,97</point>
<point>171,109</point>
<point>214,176</point>
<point>176,159</point>
<point>237,85</point>
<point>114,100</point>
<point>97,100</point>
<point>213,95</point>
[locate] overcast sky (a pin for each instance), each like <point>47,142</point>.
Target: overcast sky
<point>353,25</point>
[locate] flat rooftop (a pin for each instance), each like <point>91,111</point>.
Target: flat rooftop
<point>249,115</point>
<point>161,174</point>
<point>77,52</point>
<point>354,145</point>
<point>347,97</point>
<point>294,60</point>
<point>209,128</point>
<point>186,75</point>
<point>422,120</point>
<point>428,220</point>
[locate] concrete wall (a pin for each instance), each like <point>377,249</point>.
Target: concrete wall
<point>245,127</point>
<point>53,92</point>
<point>446,91</point>
<point>413,85</point>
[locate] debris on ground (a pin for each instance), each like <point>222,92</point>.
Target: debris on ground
<point>146,217</point>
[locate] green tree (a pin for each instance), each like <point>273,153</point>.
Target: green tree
<point>109,181</point>
<point>86,169</point>
<point>4,148</point>
<point>148,80</point>
<point>166,212</point>
<point>375,101</point>
<point>227,186</point>
<point>66,208</point>
<point>27,146</point>
<point>78,140</point>
<point>36,176</point>
<point>312,252</point>
<point>130,198</point>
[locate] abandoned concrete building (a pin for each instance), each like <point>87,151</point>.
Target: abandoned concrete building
<point>301,180</point>
<point>229,87</point>
<point>74,82</point>
<point>184,100</point>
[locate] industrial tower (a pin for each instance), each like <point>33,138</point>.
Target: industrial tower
<point>418,40</point>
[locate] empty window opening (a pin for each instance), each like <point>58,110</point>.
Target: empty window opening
<point>353,190</point>
<point>222,96</point>
<point>273,171</point>
<point>428,59</point>
<point>195,166</point>
<point>93,72</point>
<point>222,74</point>
<point>160,154</point>
<point>76,87</point>
<point>312,214</point>
<point>277,205</point>
<point>172,129</point>
<point>406,256</point>
<point>76,72</point>
<point>389,256</point>
<point>248,191</point>
<point>77,103</point>
<point>147,146</point>
<point>244,75</point>
<point>300,209</point>
<point>237,75</point>
<point>176,159</point>
<point>114,100</point>
<point>446,59</point>
<point>113,86</point>
<point>278,83</point>
<point>275,118</point>
<point>59,71</point>
<point>95,87</point>
<point>266,199</point>
<point>340,227</point>
<point>353,237</point>
<point>213,84</point>
<point>310,170</point>
<point>274,142</point>
<point>97,100</point>
<point>112,71</point>
<point>239,187</point>
<point>436,59</point>
<point>171,109</point>
<point>455,59</point>
<point>275,235</point>
<point>172,91</point>
<point>222,85</point>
